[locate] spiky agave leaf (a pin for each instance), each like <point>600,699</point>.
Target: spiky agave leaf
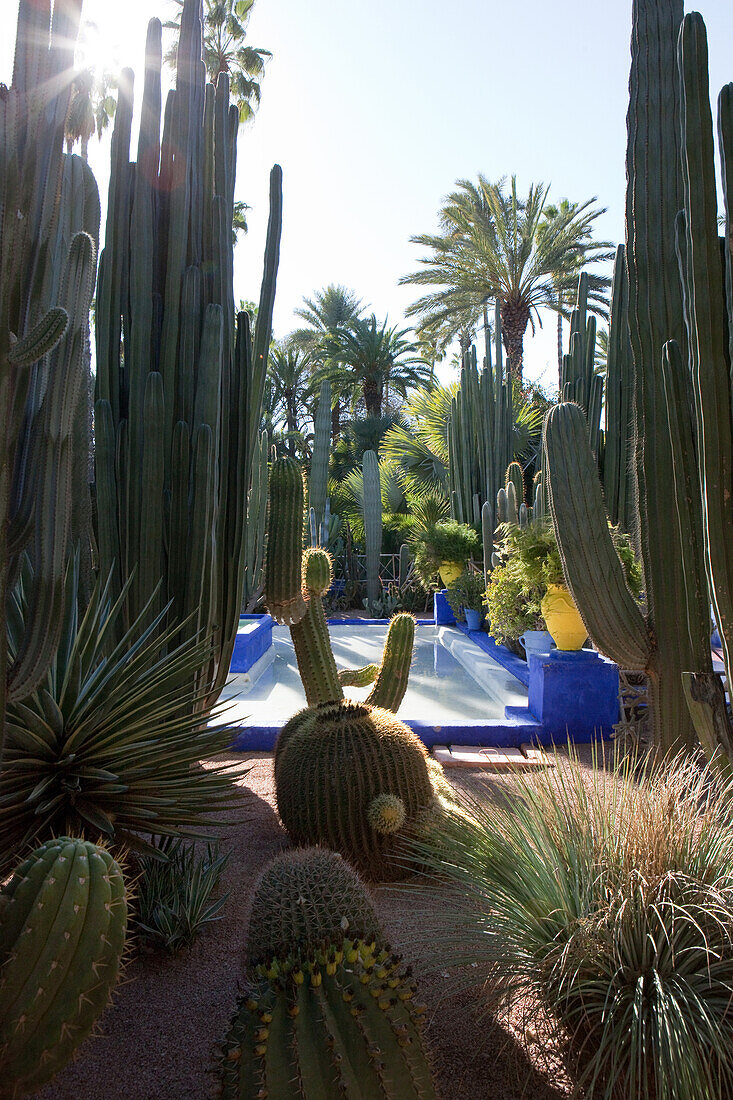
<point>113,741</point>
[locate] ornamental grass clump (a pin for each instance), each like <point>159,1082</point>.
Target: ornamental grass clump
<point>608,899</point>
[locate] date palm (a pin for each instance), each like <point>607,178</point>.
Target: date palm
<point>328,313</point>
<point>225,50</point>
<point>290,371</point>
<point>493,244</point>
<point>369,359</point>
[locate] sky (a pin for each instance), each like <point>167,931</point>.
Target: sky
<point>375,110</point>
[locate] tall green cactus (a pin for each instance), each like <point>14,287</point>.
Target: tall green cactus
<point>480,445</point>
<point>329,1010</point>
<point>179,378</point>
<point>254,560</point>
<point>372,510</point>
<point>63,919</point>
<point>708,293</point>
<point>365,773</point>
<point>672,637</point>
<point>46,280</point>
<point>318,481</point>
<point>619,474</point>
<point>578,380</point>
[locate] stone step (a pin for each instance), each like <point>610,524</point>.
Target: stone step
<point>493,759</point>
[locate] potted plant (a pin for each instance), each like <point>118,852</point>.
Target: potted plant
<point>466,597</point>
<point>445,548</point>
<point>527,593</point>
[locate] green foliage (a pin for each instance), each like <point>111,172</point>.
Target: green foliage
<point>529,561</point>
<point>495,245</point>
<point>446,541</point>
<point>468,590</point>
<point>607,895</point>
<point>174,894</point>
<point>63,920</point>
<point>225,50</point>
<point>328,1010</point>
<point>80,753</point>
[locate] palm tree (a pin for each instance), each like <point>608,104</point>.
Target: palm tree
<point>328,313</point>
<point>225,29</point>
<point>291,375</point>
<point>495,245</point>
<point>368,359</point>
<point>91,108</point>
<point>566,209</point>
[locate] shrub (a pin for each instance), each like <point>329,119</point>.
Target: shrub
<point>448,541</point>
<point>529,561</point>
<point>468,590</point>
<point>610,898</point>
<point>110,743</point>
<point>176,894</point>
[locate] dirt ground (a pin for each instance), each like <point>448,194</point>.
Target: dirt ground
<point>156,1039</point>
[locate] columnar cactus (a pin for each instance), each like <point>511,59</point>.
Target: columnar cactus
<point>578,380</point>
<point>708,296</point>
<point>480,445</point>
<point>672,637</point>
<point>63,918</point>
<point>179,378</point>
<point>372,508</point>
<point>330,1010</point>
<point>619,473</point>
<point>343,755</point>
<point>318,481</point>
<point>41,369</point>
<point>254,560</point>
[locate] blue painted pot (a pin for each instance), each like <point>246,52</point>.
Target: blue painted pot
<point>536,641</point>
<point>473,618</point>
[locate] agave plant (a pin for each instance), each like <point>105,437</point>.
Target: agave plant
<point>110,744</point>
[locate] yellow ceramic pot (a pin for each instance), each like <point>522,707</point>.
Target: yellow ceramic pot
<point>563,618</point>
<point>450,571</point>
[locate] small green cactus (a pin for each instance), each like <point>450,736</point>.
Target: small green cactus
<point>323,1017</point>
<point>63,918</point>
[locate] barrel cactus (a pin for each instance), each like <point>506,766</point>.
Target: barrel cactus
<point>306,896</point>
<point>66,905</point>
<point>328,1012</point>
<point>336,761</point>
<point>333,765</point>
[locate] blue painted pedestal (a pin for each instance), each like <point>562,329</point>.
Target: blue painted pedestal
<point>254,638</point>
<point>574,694</point>
<point>443,614</point>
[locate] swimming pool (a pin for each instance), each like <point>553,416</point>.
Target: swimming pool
<point>453,686</point>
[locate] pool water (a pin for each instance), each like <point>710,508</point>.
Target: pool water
<point>451,680</point>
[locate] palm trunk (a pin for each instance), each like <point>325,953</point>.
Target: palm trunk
<point>372,397</point>
<point>559,341</point>
<point>336,420</point>
<point>514,321</point>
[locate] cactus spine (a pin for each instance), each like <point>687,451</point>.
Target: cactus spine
<point>63,918</point>
<point>329,1011</point>
<point>676,589</point>
<point>344,755</point>
<point>372,509</point>
<point>178,405</point>
<point>46,280</point>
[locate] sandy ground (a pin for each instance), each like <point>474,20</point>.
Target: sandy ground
<point>156,1039</point>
